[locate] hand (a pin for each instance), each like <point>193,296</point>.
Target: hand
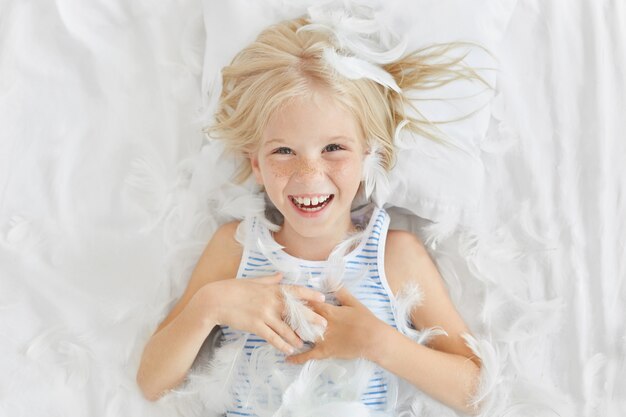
<point>352,331</point>
<point>256,306</point>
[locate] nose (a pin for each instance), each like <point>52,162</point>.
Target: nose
<point>308,170</point>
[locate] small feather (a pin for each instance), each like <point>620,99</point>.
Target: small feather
<point>296,313</point>
<point>334,270</point>
<point>491,370</point>
<point>241,234</point>
<point>342,397</point>
<point>408,298</point>
<point>375,176</point>
<point>356,68</point>
<point>260,372</point>
<point>212,381</point>
<point>287,266</point>
<point>359,30</point>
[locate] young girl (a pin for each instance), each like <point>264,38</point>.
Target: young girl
<point>312,116</point>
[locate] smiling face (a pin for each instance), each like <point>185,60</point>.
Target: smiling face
<point>310,162</point>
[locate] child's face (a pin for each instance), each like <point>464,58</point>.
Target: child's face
<point>310,162</point>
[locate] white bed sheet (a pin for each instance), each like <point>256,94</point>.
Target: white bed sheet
<point>100,221</point>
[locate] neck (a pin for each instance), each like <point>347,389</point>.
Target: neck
<point>316,248</point>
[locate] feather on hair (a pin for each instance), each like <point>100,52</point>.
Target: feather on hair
<point>355,68</point>
<point>359,31</point>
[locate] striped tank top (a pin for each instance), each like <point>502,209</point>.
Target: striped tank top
<point>263,380</point>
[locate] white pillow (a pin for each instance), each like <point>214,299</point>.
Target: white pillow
<point>433,181</point>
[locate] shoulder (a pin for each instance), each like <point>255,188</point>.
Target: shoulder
<point>402,246</point>
<point>226,233</point>
<point>219,260</point>
<point>407,260</point>
<point>404,253</point>
<point>224,248</point>
<point>402,240</point>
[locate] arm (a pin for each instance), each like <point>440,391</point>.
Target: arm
<point>447,377</point>
<point>446,369</point>
<point>174,345</point>
<point>213,297</point>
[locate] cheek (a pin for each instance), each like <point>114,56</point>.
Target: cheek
<point>345,171</point>
<point>280,169</point>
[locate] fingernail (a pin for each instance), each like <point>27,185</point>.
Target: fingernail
<point>324,322</point>
<point>321,297</point>
<point>290,350</point>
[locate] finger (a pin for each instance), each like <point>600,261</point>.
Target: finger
<point>345,298</point>
<point>321,309</point>
<point>301,358</point>
<point>306,293</point>
<point>269,279</point>
<point>275,340</point>
<point>316,317</point>
<point>286,333</point>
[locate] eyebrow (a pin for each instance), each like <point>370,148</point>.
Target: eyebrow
<point>348,138</point>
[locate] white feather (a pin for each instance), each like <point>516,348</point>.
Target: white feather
<point>241,233</point>
<point>312,395</point>
<point>334,271</point>
<point>238,202</point>
<point>359,30</point>
<point>303,388</point>
<point>491,376</point>
<point>292,274</point>
<point>409,297</point>
<point>401,140</point>
<point>296,316</point>
<point>425,335</point>
<point>61,353</point>
<point>263,393</point>
<point>212,382</point>
<point>356,68</point>
<point>375,176</point>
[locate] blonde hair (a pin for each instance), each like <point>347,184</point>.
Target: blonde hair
<point>285,63</point>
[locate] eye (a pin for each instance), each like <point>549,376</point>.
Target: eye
<point>283,151</point>
<point>333,147</point>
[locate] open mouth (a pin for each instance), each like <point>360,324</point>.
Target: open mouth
<point>311,204</point>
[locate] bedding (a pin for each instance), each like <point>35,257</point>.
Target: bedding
<point>109,192</point>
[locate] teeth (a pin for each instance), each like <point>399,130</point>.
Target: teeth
<point>311,201</point>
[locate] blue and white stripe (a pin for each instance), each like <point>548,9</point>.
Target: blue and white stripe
<point>366,261</point>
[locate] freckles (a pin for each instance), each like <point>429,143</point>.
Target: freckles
<point>280,169</point>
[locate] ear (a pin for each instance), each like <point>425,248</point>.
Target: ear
<point>254,164</point>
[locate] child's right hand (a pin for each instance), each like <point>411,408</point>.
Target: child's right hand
<point>256,306</point>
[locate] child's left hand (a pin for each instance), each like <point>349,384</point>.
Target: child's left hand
<point>352,331</point>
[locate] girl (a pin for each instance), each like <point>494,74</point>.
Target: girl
<point>310,320</point>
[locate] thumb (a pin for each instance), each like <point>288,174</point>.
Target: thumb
<point>270,279</point>
<point>301,358</point>
<point>345,298</point>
